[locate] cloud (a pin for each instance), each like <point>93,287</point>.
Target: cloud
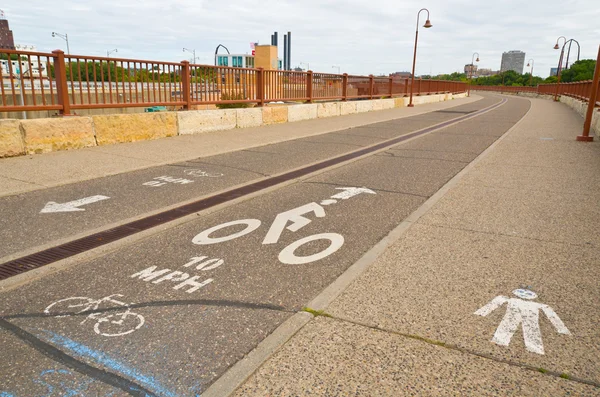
<point>361,36</point>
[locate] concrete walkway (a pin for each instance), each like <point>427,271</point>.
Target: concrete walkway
<point>524,216</point>
<point>32,172</point>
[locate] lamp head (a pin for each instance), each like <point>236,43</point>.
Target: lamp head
<point>477,60</point>
<point>528,64</point>
<point>556,46</point>
<point>53,34</point>
<point>427,24</point>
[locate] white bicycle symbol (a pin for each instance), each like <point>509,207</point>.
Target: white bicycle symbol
<point>292,220</point>
<point>200,173</point>
<point>112,323</point>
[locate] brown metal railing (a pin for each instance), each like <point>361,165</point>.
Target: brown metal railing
<point>32,81</point>
<point>98,82</point>
<point>580,90</point>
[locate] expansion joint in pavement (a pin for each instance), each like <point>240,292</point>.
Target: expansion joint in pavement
<point>457,348</point>
<point>586,244</point>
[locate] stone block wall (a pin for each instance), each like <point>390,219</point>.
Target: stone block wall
<point>19,137</point>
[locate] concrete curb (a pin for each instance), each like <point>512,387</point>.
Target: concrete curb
<point>232,379</point>
<point>243,369</point>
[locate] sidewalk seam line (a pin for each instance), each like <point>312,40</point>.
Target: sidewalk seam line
<point>508,235</point>
<point>451,346</point>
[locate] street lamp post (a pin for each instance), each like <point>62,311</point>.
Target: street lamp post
<point>558,70</point>
<point>21,73</point>
<point>193,53</point>
<point>569,51</point>
<point>427,25</point>
<point>65,37</point>
<point>531,76</point>
<point>110,52</point>
<point>336,67</point>
<point>471,72</point>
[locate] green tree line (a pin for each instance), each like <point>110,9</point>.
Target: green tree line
<point>579,71</point>
<point>96,71</point>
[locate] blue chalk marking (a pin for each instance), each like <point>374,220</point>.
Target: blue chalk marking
<point>66,389</point>
<point>6,394</point>
<point>81,350</point>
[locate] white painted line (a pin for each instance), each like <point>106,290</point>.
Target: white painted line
<point>71,206</point>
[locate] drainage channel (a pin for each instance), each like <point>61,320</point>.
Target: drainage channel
<point>75,247</point>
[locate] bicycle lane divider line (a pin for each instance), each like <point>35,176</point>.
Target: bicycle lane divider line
<point>87,243</point>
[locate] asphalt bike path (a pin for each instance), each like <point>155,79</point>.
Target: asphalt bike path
<point>168,315</point>
<point>52,215</point>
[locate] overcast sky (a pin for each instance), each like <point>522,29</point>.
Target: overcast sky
<point>360,36</point>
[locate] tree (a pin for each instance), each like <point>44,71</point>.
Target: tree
<point>13,57</point>
<point>579,71</point>
<point>453,77</point>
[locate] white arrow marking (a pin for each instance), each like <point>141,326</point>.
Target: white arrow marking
<point>71,206</point>
<point>351,192</point>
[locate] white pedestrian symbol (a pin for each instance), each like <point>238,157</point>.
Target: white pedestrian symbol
<point>526,312</point>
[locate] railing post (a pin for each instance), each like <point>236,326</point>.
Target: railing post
<point>186,84</point>
<point>371,86</point>
<point>60,77</point>
<point>345,87</point>
<point>260,86</point>
<point>585,136</point>
<point>309,86</point>
<point>391,86</point>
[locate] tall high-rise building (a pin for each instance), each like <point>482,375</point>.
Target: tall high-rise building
<point>513,60</point>
<point>6,35</point>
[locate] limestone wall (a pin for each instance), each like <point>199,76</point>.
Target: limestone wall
<point>19,137</point>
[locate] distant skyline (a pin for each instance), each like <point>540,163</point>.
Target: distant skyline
<point>358,36</point>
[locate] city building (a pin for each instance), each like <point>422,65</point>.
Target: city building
<point>400,75</point>
<point>265,56</point>
<point>470,69</point>
<point>7,41</point>
<point>513,60</point>
<point>553,71</point>
<point>27,67</point>
<point>485,73</point>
